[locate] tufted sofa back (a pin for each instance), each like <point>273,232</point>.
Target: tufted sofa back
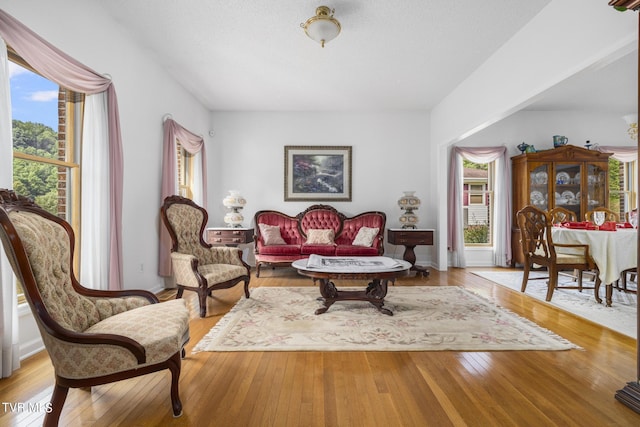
<point>319,217</point>
<point>368,219</point>
<point>288,226</point>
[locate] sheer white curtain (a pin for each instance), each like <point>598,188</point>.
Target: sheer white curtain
<point>94,252</point>
<point>623,154</point>
<point>10,349</point>
<point>501,215</point>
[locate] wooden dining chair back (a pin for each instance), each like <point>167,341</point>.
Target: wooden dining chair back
<point>539,249</point>
<point>609,215</point>
<point>560,215</point>
<point>92,336</point>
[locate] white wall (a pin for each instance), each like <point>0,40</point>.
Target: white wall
<point>389,154</point>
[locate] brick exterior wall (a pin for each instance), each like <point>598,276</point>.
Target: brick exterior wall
<point>62,151</point>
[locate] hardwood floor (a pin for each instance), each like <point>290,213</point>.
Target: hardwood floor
<point>513,388</point>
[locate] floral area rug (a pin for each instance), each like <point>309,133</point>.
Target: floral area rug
<point>621,316</point>
<point>425,318</point>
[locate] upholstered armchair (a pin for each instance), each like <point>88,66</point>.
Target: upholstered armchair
<point>198,266</point>
<point>93,337</point>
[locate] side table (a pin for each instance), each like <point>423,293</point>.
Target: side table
<point>410,238</point>
<point>228,236</point>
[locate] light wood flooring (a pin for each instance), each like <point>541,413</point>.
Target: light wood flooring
<point>512,388</point>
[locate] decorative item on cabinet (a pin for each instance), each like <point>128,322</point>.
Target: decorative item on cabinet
<point>235,202</point>
<point>559,141</point>
<point>408,203</point>
<point>530,149</point>
<point>523,147</point>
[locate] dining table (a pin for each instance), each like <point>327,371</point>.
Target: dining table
<point>612,251</point>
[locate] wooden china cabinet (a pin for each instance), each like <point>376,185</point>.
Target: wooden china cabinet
<point>571,177</point>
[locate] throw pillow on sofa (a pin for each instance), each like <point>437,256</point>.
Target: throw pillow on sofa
<point>320,237</point>
<point>271,234</point>
<point>365,236</point>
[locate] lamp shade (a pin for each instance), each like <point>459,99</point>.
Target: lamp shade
<point>234,200</point>
<point>323,27</point>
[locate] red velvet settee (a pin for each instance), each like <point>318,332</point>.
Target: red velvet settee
<point>281,239</point>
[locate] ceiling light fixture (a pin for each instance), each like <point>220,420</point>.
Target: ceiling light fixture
<point>323,27</point>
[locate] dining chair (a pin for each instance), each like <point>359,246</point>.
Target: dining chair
<point>560,215</point>
<point>198,266</point>
<point>609,215</point>
<point>93,337</point>
<point>539,249</point>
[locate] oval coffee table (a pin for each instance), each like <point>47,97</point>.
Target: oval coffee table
<point>375,269</point>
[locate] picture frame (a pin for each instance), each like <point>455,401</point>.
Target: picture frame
<point>317,173</point>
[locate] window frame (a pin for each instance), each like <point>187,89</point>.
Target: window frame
<point>71,122</point>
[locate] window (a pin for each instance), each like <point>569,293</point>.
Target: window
<point>476,194</point>
<point>185,172</point>
<point>477,203</point>
<point>623,177</point>
<point>46,122</point>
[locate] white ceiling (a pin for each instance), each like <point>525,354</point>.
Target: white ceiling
<point>611,87</point>
<point>252,55</point>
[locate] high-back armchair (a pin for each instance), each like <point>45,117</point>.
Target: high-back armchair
<point>93,337</point>
<point>198,266</point>
<point>538,248</point>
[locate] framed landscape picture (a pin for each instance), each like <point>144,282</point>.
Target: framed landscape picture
<point>319,174</point>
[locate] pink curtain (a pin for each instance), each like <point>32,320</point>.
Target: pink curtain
<point>623,154</point>
<point>193,144</point>
<point>60,68</point>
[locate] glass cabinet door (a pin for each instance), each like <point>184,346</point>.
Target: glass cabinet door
<point>539,179</point>
<point>596,186</point>
<point>567,181</point>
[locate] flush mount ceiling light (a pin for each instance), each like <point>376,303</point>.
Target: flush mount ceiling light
<point>323,27</point>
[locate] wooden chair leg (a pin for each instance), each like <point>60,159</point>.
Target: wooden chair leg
<point>246,288</point>
<point>57,402</point>
<point>202,300</point>
<point>580,280</point>
<point>525,276</point>
<point>174,367</point>
<point>596,291</point>
<point>553,282</point>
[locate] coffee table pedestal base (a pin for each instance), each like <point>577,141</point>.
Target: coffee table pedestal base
<point>374,293</point>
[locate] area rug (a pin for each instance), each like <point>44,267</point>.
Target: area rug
<point>425,318</point>
<point>621,316</point>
